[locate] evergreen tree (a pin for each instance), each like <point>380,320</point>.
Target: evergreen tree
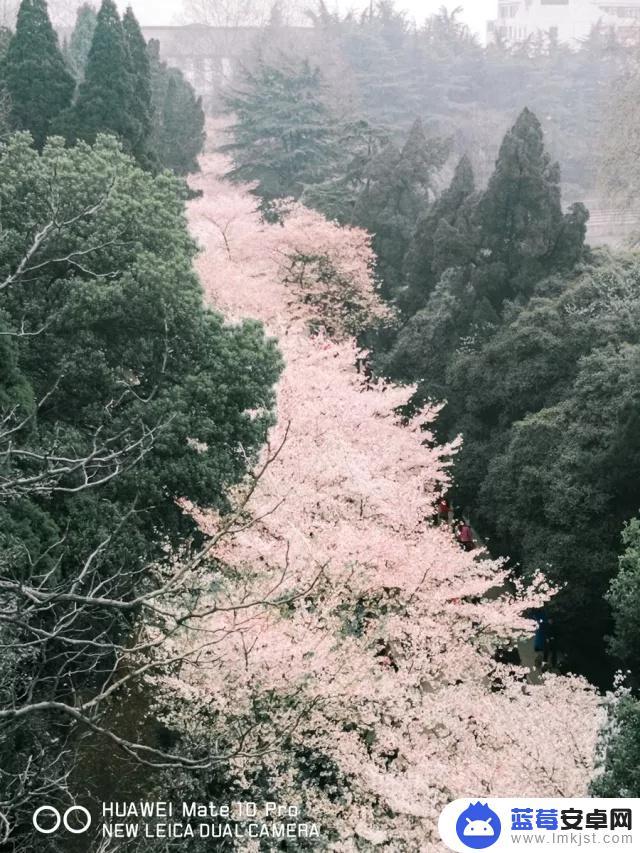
<point>178,132</point>
<point>471,92</point>
<point>140,106</point>
<point>620,750</point>
<point>105,96</point>
<point>183,135</point>
<point>425,343</point>
<point>624,599</point>
<point>475,263</point>
<point>379,50</point>
<point>396,193</point>
<point>5,100</point>
<point>37,79</point>
<point>283,131</point>
<point>337,197</point>
<point>128,359</point>
<point>276,18</point>
<point>523,232</point>
<point>419,160</point>
<point>79,45</point>
<point>503,241</point>
<point>442,238</point>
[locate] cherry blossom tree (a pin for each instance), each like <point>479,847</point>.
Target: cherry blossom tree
<point>355,642</point>
<point>331,273</point>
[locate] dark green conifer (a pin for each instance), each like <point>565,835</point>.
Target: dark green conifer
<point>37,79</point>
<point>140,106</point>
<point>442,238</point>
<point>523,233</point>
<point>106,94</point>
<point>5,101</point>
<point>419,160</point>
<point>283,133</point>
<point>178,117</point>
<point>79,45</point>
<point>399,182</point>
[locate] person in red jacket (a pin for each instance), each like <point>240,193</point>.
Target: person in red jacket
<point>443,511</point>
<point>465,536</point>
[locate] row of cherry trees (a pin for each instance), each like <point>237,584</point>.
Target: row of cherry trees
<point>352,643</point>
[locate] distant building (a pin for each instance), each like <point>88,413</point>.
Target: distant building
<point>211,57</point>
<point>207,56</point>
<point>568,21</point>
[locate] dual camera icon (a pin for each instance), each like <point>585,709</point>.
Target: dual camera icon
<point>47,820</point>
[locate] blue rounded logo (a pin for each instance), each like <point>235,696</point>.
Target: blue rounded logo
<point>478,826</point>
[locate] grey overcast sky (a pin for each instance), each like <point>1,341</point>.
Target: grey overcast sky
<point>475,12</point>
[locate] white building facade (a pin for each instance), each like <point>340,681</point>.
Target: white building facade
<point>568,21</point>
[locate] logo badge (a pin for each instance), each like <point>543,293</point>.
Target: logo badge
<point>478,827</point>
<point>53,813</point>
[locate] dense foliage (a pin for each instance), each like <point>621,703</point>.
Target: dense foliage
<point>502,334</point>
<point>141,105</point>
<point>398,185</point>
<point>283,134</point>
<point>471,278</point>
<point>291,143</point>
<point>621,752</point>
<point>77,50</point>
<point>288,622</point>
<point>177,133</point>
<point>107,96</point>
<point>5,100</point>
<point>119,395</point>
<point>120,85</point>
<point>390,72</point>
<point>371,696</point>
<point>39,84</point>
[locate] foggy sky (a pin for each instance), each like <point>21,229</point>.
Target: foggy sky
<point>475,14</point>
